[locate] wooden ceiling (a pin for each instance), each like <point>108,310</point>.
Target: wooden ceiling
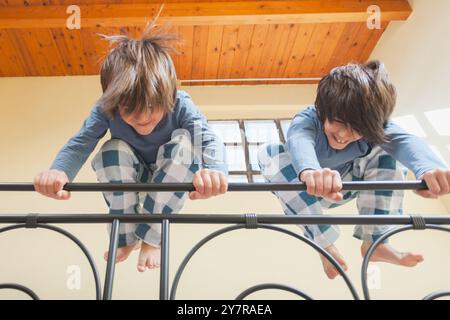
<point>222,39</point>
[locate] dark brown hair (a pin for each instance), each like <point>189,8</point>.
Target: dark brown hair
<point>139,73</point>
<point>359,95</point>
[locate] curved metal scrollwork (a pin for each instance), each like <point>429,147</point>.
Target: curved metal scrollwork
<point>437,295</point>
<point>19,287</point>
<point>75,240</point>
<point>385,236</point>
<point>276,286</point>
<point>217,233</point>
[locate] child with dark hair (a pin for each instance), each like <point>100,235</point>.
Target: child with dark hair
<point>157,136</point>
<point>347,135</point>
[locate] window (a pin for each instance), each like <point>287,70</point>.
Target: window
<point>439,120</point>
<point>242,140</point>
<point>410,124</point>
<point>438,154</point>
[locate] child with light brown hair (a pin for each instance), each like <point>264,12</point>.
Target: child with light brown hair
<point>157,136</point>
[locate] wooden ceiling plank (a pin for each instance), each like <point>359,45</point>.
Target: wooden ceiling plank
<point>304,36</point>
<point>258,41</point>
<point>71,66</point>
<point>213,50</point>
<point>359,43</point>
<point>11,63</point>
<point>242,52</point>
<point>32,41</point>
<point>330,43</point>
<point>347,40</point>
<point>199,50</point>
<point>88,39</point>
<point>270,49</point>
<point>283,52</point>
<point>227,54</point>
<point>315,46</point>
<point>101,45</point>
<point>205,13</point>
<point>175,54</point>
<point>19,39</point>
<point>185,57</point>
<point>50,52</point>
<point>372,42</point>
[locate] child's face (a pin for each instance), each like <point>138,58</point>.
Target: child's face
<point>143,123</point>
<point>339,135</point>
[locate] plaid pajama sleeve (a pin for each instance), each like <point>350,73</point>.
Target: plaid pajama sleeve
<point>276,166</point>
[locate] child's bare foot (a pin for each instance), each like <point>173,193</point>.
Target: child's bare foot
<point>149,257</point>
<point>386,253</point>
<point>124,252</point>
<point>329,269</point>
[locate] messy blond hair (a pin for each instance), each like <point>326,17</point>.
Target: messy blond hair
<point>359,95</point>
<point>139,73</point>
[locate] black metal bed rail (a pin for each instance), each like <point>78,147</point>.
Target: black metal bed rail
<point>261,186</point>
<point>237,221</point>
<point>350,219</point>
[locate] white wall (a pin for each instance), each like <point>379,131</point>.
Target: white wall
<point>416,53</point>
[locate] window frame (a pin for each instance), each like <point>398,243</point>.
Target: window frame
<point>249,172</point>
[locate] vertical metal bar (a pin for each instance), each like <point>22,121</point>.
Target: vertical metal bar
<point>111,264</point>
<point>164,272</point>
<point>246,151</point>
<point>280,130</point>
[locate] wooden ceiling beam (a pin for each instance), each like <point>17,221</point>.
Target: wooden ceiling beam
<point>205,13</point>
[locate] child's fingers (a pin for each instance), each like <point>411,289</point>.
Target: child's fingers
<point>335,196</point>
<point>318,179</point>
<point>337,182</point>
<point>441,177</point>
<point>193,195</point>
<point>425,194</point>
<point>63,195</point>
<point>53,183</point>
<point>432,183</point>
<point>447,177</point>
<point>59,184</point>
<point>215,183</point>
<point>223,183</point>
<point>37,183</point>
<point>197,181</point>
<point>54,180</point>
<point>327,181</point>
<point>50,183</point>
<point>310,184</point>
<point>45,186</point>
<point>207,183</point>
<point>338,196</point>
